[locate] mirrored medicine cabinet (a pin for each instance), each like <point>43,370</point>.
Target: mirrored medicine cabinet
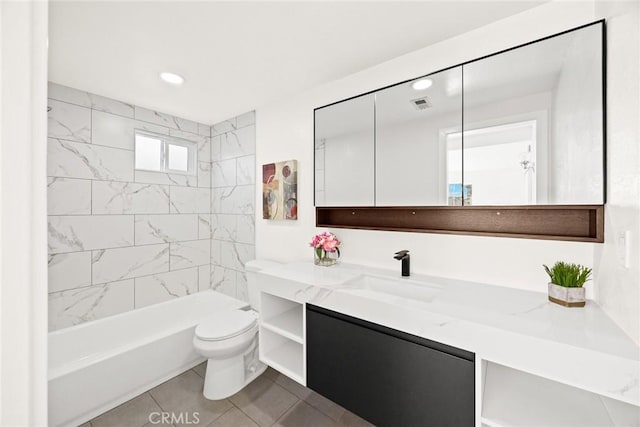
<point>509,144</point>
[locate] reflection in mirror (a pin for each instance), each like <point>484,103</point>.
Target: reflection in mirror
<point>533,124</point>
<point>414,164</point>
<point>344,153</point>
<point>498,165</point>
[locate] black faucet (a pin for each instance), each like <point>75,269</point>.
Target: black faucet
<point>405,258</point>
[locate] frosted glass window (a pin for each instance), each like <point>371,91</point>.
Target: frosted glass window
<point>148,153</point>
<point>163,153</point>
<point>178,157</point>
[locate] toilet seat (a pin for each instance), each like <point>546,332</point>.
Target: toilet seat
<point>225,325</point>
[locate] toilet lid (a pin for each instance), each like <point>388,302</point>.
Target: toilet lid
<point>226,325</point>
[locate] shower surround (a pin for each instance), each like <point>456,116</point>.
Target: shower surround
<point>121,239</point>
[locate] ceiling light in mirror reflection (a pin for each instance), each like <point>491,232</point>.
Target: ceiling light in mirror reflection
<point>172,78</point>
<point>422,84</point>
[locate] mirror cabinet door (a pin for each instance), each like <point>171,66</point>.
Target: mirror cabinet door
<point>522,127</point>
<point>533,123</point>
<point>418,162</point>
<point>344,153</point>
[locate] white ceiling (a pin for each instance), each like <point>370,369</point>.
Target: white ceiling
<point>237,56</point>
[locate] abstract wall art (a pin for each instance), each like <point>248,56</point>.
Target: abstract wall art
<point>280,190</point>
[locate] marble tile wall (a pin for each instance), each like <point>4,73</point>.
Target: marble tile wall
<point>120,239</point>
<point>233,144</point>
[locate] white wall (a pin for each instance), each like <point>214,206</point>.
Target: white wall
<point>619,287</point>
<point>23,272</point>
<point>285,130</point>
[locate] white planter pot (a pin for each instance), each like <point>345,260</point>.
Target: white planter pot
<point>568,297</point>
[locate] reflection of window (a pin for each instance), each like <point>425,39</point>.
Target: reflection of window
<point>161,153</point>
<point>499,163</point>
<point>457,193</point>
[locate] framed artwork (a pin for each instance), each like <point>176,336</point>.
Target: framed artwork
<point>280,190</point>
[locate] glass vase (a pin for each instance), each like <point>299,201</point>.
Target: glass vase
<point>324,258</point>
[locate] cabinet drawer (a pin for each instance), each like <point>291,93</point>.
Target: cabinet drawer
<point>388,377</point>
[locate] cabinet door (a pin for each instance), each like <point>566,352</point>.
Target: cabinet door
<point>344,153</point>
<point>416,162</point>
<point>388,377</point>
<point>534,123</point>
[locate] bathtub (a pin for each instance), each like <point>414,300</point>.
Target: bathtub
<point>96,366</point>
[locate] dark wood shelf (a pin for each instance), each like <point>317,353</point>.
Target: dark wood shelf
<point>581,223</point>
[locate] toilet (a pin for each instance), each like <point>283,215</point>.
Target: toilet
<point>229,340</point>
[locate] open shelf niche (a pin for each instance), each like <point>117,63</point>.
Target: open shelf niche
<point>513,398</point>
<point>282,336</point>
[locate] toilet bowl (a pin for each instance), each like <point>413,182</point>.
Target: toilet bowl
<point>229,341</point>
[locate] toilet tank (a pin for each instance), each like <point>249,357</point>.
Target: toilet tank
<point>251,268</point>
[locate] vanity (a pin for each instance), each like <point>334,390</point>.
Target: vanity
<point>507,145</point>
<point>432,351</point>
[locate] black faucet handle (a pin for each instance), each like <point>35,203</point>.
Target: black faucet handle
<point>401,254</point>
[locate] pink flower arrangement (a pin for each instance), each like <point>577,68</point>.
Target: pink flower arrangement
<point>327,242</point>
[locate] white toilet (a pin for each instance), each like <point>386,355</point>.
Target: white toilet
<point>229,340</point>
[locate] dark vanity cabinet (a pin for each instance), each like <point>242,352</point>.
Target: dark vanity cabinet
<point>388,377</point>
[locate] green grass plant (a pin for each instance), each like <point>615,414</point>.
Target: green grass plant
<point>568,275</point>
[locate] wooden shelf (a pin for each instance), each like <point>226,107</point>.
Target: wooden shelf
<point>581,223</point>
<point>287,324</point>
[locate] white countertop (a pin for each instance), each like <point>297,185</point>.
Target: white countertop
<point>581,347</point>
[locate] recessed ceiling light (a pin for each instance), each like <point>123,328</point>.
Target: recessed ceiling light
<point>422,84</point>
<point>172,78</point>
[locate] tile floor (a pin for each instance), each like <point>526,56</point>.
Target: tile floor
<point>271,400</point>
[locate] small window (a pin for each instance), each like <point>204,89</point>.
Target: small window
<point>178,157</point>
<point>162,153</point>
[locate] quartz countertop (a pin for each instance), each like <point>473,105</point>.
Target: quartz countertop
<point>521,329</point>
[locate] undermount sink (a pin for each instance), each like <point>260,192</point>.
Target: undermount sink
<point>392,290</point>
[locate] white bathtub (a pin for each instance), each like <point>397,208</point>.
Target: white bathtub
<point>96,366</point>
